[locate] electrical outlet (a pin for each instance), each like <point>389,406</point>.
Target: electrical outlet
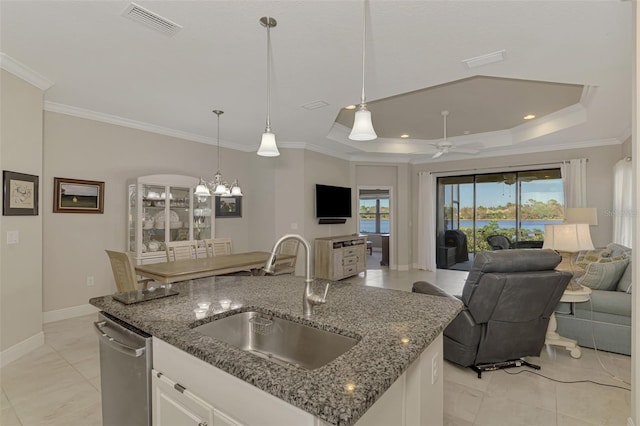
<point>90,282</point>
<point>435,368</point>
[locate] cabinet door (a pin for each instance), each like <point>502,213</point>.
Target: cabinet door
<point>172,407</point>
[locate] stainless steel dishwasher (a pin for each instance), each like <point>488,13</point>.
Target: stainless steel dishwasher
<point>125,372</point>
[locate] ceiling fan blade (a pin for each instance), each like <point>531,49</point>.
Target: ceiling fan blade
<point>438,154</point>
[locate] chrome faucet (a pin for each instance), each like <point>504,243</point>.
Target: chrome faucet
<point>309,299</point>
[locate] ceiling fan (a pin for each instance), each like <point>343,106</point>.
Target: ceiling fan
<point>445,146</point>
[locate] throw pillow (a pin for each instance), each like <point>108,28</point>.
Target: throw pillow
<point>587,256</point>
<point>603,276</point>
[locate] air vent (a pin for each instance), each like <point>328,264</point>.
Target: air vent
<point>315,105</point>
<point>149,19</point>
<point>489,58</point>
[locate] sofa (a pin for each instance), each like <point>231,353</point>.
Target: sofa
<point>605,321</point>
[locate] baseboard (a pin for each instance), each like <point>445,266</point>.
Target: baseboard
<point>403,267</point>
<point>72,312</point>
<point>20,349</point>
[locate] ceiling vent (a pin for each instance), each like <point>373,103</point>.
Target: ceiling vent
<point>489,58</point>
<point>315,105</point>
<point>149,19</point>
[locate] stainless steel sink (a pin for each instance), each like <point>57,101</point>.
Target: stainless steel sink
<point>279,340</point>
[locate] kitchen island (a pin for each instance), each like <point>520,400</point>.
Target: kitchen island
<point>395,330</point>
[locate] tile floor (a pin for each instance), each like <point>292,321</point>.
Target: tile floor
<point>59,383</point>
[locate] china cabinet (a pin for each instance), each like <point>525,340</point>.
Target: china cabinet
<point>163,208</point>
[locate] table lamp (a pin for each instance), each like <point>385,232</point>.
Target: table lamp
<point>568,238</point>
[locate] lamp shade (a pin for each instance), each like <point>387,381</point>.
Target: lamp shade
<point>268,147</point>
<point>202,190</point>
<point>569,237</point>
<point>362,126</point>
<point>588,215</point>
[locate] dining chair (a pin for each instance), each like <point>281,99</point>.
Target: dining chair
<point>180,250</point>
<point>218,246</point>
<point>124,272</point>
<point>289,247</point>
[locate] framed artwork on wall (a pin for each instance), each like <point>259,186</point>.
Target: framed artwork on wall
<point>230,206</point>
<point>20,194</point>
<point>77,196</point>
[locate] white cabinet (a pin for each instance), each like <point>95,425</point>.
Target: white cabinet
<point>163,208</point>
<point>175,405</point>
<point>415,398</point>
<point>340,257</point>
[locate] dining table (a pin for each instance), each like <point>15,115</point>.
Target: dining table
<point>190,269</point>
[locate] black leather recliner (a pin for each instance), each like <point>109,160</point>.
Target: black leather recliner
<point>509,297</point>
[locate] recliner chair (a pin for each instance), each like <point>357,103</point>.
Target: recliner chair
<point>509,297</point>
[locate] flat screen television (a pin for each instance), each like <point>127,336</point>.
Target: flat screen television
<point>333,201</point>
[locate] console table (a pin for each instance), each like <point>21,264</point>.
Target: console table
<point>340,257</point>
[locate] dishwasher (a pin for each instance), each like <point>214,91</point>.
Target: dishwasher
<point>125,372</point>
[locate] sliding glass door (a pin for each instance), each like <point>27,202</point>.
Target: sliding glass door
<point>513,204</point>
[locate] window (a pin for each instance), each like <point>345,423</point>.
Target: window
<point>514,204</point>
<point>373,210</point>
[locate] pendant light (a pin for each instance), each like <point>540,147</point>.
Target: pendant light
<point>268,147</point>
<point>362,126</point>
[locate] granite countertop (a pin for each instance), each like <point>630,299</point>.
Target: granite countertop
<point>394,327</point>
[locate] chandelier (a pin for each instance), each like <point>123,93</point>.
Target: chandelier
<point>218,185</point>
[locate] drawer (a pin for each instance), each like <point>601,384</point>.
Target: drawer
<point>351,260</point>
<point>350,270</point>
<point>350,251</point>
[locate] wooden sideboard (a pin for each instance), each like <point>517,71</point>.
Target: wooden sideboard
<point>340,257</point>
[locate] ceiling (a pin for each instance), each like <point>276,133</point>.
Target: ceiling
<point>567,62</point>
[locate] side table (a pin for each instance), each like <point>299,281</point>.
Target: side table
<point>552,337</point>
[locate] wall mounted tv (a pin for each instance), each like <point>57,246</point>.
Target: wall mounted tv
<point>333,202</point>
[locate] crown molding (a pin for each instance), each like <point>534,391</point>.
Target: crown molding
<point>22,71</point>
<point>138,125</point>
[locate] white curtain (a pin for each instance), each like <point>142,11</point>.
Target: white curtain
<point>623,203</point>
<point>574,181</point>
<point>426,222</point>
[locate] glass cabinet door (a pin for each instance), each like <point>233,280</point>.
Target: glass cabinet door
<point>201,218</point>
<point>177,202</point>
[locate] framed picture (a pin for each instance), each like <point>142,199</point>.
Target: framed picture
<point>20,194</point>
<point>77,196</point>
<point>228,206</point>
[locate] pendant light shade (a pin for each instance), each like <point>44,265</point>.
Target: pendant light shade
<point>268,147</point>
<point>362,126</point>
<point>362,129</point>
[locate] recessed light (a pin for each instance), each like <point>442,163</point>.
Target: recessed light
<point>529,117</point>
<point>466,132</point>
<point>404,136</point>
<point>350,107</point>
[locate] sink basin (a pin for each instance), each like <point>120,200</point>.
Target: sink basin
<point>279,340</point>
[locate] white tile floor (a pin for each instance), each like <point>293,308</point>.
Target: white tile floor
<point>59,383</point>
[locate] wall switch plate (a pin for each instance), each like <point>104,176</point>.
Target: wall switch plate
<point>13,237</point>
<point>435,368</point>
<point>90,282</point>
